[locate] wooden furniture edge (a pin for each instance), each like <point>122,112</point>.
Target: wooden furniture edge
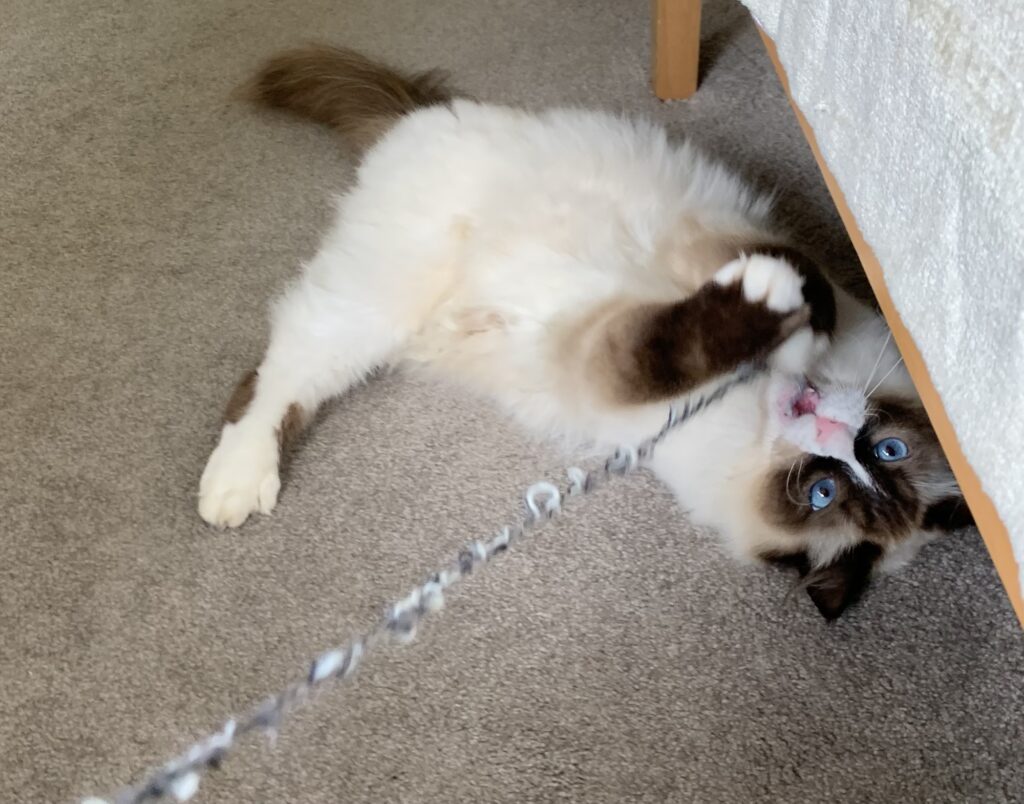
<point>993,531</point>
<point>675,47</point>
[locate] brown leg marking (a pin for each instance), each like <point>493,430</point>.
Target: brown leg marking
<point>292,425</point>
<point>241,397</point>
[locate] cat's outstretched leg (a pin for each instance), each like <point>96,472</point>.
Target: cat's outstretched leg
<point>755,307</point>
<point>320,345</point>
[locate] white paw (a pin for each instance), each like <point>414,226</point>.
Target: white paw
<point>798,351</point>
<point>802,350</point>
<point>765,279</point>
<point>240,478</point>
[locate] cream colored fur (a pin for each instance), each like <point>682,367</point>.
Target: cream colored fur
<point>484,244</point>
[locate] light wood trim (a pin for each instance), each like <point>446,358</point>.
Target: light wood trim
<point>675,47</point>
<point>993,531</point>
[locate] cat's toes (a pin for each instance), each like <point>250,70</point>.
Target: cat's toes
<point>760,313</point>
<point>781,289</point>
<point>241,478</point>
<point>766,280</point>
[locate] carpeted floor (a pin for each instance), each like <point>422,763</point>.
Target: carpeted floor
<point>146,220</point>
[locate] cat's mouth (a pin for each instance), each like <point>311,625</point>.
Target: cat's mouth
<point>822,422</point>
<point>805,400</point>
<point>797,397</point>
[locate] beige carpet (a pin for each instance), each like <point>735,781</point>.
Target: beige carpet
<point>145,222</point>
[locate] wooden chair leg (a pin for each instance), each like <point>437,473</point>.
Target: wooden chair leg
<point>675,45</point>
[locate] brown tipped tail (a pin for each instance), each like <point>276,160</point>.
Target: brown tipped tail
<point>357,96</point>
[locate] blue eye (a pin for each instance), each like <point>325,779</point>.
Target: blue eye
<point>822,493</point>
<point>891,449</point>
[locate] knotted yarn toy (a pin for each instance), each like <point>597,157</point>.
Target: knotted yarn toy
<point>179,778</point>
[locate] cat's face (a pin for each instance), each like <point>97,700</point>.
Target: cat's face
<point>834,471</point>
<point>827,464</point>
<point>839,497</point>
<point>845,474</point>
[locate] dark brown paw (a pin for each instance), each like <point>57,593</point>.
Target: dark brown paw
<point>817,290</point>
<point>750,308</point>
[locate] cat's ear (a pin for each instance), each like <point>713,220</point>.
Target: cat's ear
<point>836,586</point>
<point>949,513</point>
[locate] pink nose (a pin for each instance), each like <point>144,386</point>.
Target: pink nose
<point>830,431</point>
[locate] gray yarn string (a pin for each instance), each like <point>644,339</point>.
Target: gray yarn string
<point>180,777</point>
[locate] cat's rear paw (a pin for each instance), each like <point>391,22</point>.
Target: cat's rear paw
<point>240,478</point>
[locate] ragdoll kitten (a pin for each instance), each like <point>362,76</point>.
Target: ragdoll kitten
<point>584,271</point>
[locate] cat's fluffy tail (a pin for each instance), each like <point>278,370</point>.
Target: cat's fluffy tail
<point>358,97</point>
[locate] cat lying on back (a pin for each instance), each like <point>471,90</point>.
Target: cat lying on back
<point>583,271</point>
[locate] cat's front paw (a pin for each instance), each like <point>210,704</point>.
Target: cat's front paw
<point>768,300</point>
<point>765,280</point>
<point>240,478</point>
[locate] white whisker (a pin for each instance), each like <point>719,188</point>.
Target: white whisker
<point>878,361</point>
<point>789,474</point>
<point>798,473</point>
<point>890,371</point>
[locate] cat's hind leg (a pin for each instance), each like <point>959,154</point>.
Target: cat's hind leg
<point>321,344</point>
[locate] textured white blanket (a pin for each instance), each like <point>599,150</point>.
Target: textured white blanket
<point>918,107</point>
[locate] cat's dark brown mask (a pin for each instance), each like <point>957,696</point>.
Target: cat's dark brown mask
<point>914,493</point>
